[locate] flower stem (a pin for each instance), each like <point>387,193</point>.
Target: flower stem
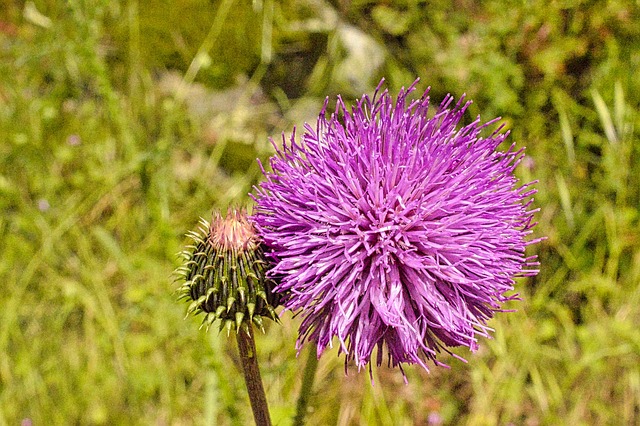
<point>257,397</point>
<point>307,386</point>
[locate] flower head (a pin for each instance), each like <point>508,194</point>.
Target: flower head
<point>394,230</point>
<point>225,273</point>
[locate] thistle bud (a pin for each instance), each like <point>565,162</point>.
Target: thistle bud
<point>225,274</point>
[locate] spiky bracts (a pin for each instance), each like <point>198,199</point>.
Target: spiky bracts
<point>225,274</point>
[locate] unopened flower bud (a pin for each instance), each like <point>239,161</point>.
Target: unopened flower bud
<point>225,274</point>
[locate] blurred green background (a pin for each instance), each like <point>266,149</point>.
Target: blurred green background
<point>122,122</point>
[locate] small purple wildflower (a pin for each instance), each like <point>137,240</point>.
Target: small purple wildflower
<point>394,230</point>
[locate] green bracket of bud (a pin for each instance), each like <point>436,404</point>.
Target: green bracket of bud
<point>224,273</point>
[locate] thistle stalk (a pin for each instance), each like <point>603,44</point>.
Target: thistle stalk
<point>307,387</point>
<point>252,378</point>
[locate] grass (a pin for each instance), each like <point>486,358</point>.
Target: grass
<point>121,123</point>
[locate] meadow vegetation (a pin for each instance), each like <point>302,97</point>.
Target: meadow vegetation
<point>123,122</point>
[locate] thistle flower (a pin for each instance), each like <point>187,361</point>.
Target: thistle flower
<point>225,273</point>
<point>389,229</point>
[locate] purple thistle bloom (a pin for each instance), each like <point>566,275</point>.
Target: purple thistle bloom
<point>394,230</point>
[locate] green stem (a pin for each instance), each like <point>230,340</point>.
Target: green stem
<point>307,386</point>
<point>257,397</point>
